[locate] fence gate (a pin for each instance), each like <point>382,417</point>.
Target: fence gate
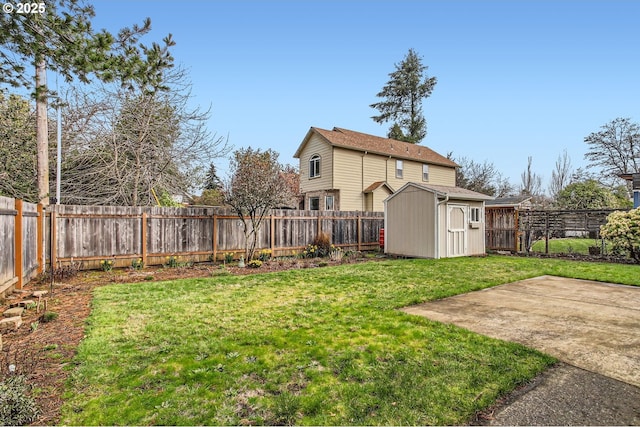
<point>501,225</point>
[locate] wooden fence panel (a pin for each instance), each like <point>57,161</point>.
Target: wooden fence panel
<point>501,225</point>
<point>7,239</point>
<point>93,233</point>
<point>30,261</point>
<point>537,224</point>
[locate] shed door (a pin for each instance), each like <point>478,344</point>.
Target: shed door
<point>457,230</point>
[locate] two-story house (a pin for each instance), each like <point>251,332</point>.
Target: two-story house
<point>352,171</point>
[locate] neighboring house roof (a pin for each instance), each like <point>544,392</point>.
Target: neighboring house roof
<point>457,193</point>
<point>373,187</point>
<point>358,141</point>
<point>509,201</point>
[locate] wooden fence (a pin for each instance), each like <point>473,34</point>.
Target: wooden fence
<point>90,234</point>
<point>21,242</point>
<point>537,224</point>
<point>501,227</point>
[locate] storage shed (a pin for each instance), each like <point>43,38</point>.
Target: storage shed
<point>434,221</point>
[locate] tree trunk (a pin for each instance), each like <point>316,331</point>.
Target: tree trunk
<point>42,132</point>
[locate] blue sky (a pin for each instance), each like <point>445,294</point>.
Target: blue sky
<point>515,78</point>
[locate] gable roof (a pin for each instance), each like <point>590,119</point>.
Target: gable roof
<point>457,193</point>
<point>344,138</point>
<point>373,187</point>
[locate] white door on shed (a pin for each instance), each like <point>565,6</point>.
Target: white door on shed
<point>457,230</point>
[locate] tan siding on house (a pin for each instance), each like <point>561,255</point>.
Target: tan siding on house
<point>375,169</point>
<point>348,178</point>
<point>316,145</point>
<point>410,224</point>
<point>438,175</point>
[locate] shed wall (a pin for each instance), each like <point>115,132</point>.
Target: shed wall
<point>410,224</point>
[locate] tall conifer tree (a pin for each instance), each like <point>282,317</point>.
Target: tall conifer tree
<point>403,95</point>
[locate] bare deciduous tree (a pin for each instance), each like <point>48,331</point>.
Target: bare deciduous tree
<point>616,148</point>
<point>531,182</point>
<point>481,177</point>
<point>561,174</point>
<point>124,148</point>
<point>60,37</point>
<point>255,186</point>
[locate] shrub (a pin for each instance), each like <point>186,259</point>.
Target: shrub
<point>49,316</point>
<point>16,406</point>
<point>255,263</point>
<point>623,231</point>
<point>323,244</point>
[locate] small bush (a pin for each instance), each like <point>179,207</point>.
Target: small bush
<point>48,316</point>
<point>623,231</point>
<point>323,244</point>
<point>16,406</point>
<point>254,263</point>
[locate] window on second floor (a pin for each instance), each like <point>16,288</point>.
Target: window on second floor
<point>399,168</point>
<point>425,173</point>
<point>314,166</point>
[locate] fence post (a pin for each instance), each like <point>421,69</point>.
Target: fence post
<point>53,255</point>
<point>18,244</point>
<point>546,233</point>
<point>143,238</point>
<point>359,232</point>
<point>40,238</point>
<point>214,238</point>
<point>272,233</point>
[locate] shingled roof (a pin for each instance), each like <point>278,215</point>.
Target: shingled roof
<point>344,138</point>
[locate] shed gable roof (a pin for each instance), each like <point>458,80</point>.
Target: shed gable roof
<point>344,138</point>
<point>457,193</point>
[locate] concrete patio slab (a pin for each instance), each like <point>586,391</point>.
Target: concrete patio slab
<point>591,325</point>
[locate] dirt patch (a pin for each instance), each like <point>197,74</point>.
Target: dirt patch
<point>44,351</point>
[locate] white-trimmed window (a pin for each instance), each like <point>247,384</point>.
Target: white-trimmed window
<point>328,203</point>
<point>425,173</point>
<point>475,215</point>
<point>314,166</point>
<point>399,168</point>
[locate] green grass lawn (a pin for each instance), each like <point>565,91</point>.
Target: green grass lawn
<point>569,245</point>
<point>323,346</point>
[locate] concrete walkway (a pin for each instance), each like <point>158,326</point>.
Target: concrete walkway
<point>593,327</point>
